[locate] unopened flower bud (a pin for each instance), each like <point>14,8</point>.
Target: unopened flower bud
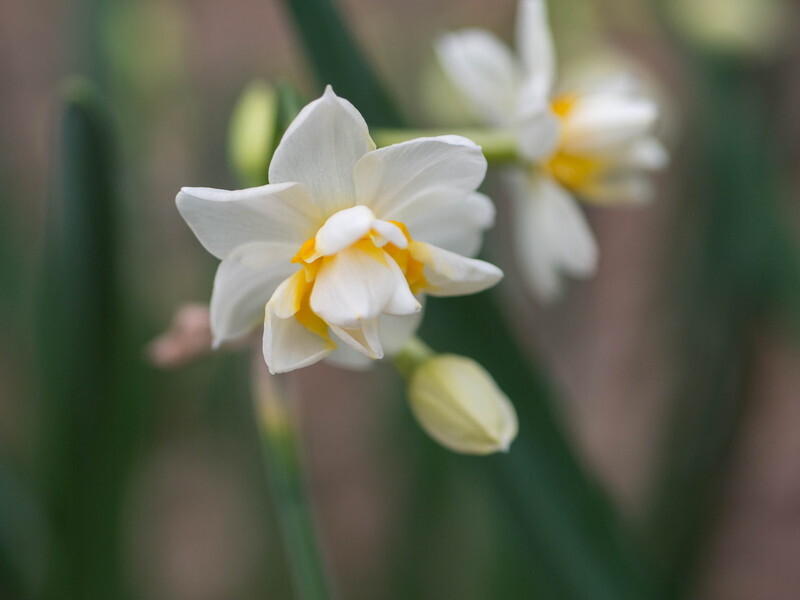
<point>252,134</point>
<point>739,27</point>
<point>459,404</point>
<point>188,338</point>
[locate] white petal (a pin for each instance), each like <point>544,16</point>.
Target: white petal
<point>402,301</point>
<point>539,131</point>
<point>535,44</point>
<point>346,357</point>
<point>389,179</point>
<point>449,274</point>
<point>394,333</point>
<point>288,345</point>
<point>285,301</point>
<point>645,153</point>
<point>388,233</point>
<point>343,229</point>
<point>354,286</point>
<point>624,187</point>
<point>364,337</point>
<point>449,219</point>
<point>397,331</point>
<point>626,179</point>
<point>484,71</point>
<point>320,149</point>
<point>242,286</point>
<point>603,123</point>
<point>616,83</point>
<point>223,220</point>
<point>552,235</point>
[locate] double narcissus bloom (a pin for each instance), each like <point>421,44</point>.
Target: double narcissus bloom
<point>335,254</point>
<point>596,144</point>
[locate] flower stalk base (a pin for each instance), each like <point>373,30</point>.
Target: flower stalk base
<point>279,442</point>
<point>498,145</point>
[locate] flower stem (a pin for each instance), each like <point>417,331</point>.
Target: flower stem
<point>287,479</point>
<point>413,354</point>
<point>498,145</point>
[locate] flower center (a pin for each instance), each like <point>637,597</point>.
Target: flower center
<point>375,245</point>
<point>573,171</point>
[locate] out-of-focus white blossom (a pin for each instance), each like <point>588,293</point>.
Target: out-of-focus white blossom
<point>595,144</point>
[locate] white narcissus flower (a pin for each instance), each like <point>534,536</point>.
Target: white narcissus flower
<point>335,253</point>
<point>595,144</point>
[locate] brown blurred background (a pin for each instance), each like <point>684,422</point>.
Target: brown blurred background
<point>172,71</point>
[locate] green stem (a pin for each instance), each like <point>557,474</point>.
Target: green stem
<point>286,476</point>
<point>414,353</point>
<point>499,145</point>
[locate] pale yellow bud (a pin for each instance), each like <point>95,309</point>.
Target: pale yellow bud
<point>251,137</point>
<point>755,27</point>
<point>458,403</point>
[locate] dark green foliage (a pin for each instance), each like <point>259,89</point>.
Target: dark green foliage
<point>338,61</point>
<point>82,457</point>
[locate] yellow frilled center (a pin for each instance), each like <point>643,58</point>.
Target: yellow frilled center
<point>573,171</point>
<point>304,279</point>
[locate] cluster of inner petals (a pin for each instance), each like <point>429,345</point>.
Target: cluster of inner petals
<point>573,171</point>
<point>375,245</point>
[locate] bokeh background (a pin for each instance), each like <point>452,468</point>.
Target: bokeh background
<point>674,373</point>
